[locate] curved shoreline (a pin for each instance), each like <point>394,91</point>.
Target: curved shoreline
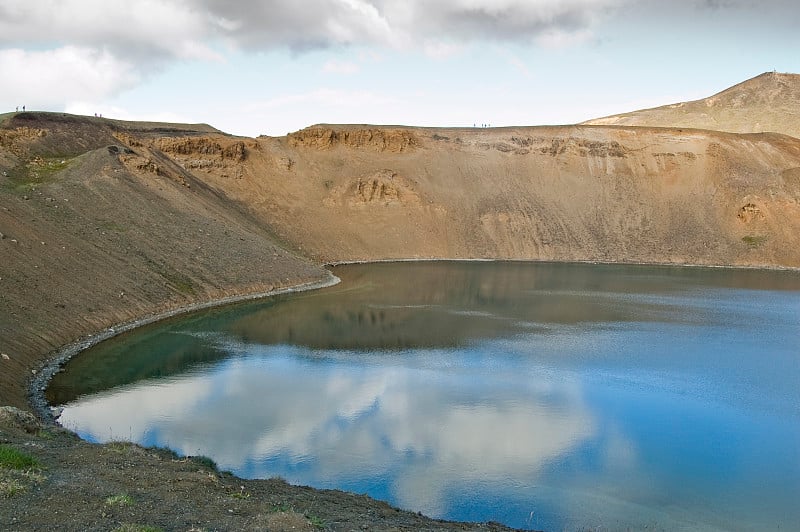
<point>56,360</point>
<point>765,267</point>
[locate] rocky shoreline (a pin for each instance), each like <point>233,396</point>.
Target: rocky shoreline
<point>54,362</point>
<point>74,485</point>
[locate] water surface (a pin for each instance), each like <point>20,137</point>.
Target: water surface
<point>538,395</point>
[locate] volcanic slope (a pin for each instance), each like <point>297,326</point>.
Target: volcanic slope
<point>768,102</point>
<point>571,193</point>
<point>96,231</point>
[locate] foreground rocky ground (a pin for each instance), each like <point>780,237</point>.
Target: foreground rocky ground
<point>74,485</point>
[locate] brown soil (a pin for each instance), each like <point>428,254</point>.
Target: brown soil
<point>79,486</point>
<point>105,223</point>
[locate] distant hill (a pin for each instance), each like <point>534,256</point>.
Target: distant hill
<point>766,103</point>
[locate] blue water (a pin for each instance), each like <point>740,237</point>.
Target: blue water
<point>556,397</point>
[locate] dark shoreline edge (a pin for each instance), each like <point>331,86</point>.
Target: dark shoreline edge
<point>56,359</point>
<point>744,267</point>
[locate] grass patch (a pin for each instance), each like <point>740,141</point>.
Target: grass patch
<point>119,446</point>
<point>204,461</point>
<point>113,227</point>
<point>125,447</point>
<point>36,172</point>
<point>14,481</point>
<point>123,499</point>
<point>754,241</point>
<point>10,458</point>
<point>178,281</point>
<point>241,494</point>
<point>127,527</point>
<point>164,453</point>
<point>184,287</point>
<point>46,435</point>
<point>317,522</point>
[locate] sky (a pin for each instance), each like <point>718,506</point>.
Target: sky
<point>253,67</point>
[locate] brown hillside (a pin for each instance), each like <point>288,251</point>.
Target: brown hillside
<point>342,193</point>
<point>94,232</point>
<point>769,102</point>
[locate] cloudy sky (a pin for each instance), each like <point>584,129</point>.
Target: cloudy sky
<point>255,67</point>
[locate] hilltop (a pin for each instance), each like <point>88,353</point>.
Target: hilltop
<point>769,102</point>
<point>105,222</point>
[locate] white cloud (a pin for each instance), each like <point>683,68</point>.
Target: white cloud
<point>150,30</point>
<point>185,29</point>
<point>558,38</point>
<point>95,49</point>
<point>501,20</point>
<point>51,77</point>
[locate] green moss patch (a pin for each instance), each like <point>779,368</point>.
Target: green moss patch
<point>754,241</point>
<point>10,458</point>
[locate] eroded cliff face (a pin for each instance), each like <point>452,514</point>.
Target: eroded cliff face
<point>588,193</point>
<point>387,139</point>
<point>555,193</point>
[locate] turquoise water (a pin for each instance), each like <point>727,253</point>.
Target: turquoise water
<point>557,397</point>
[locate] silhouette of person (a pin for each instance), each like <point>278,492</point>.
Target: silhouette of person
<point>23,108</point>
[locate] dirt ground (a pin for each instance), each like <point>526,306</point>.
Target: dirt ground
<point>121,486</point>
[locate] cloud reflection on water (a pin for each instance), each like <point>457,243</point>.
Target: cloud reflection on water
<point>419,430</point>
<point>587,394</point>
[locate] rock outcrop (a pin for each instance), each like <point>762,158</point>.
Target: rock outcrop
<point>395,140</point>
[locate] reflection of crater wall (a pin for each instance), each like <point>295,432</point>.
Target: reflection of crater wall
<point>119,362</point>
<point>451,304</point>
<point>446,304</point>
